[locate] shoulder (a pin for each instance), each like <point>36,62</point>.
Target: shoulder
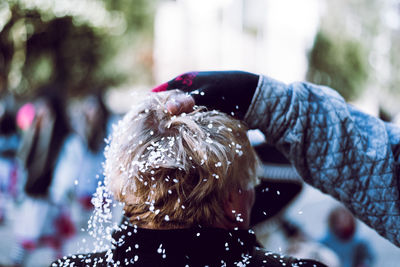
<point>90,259</point>
<point>262,257</point>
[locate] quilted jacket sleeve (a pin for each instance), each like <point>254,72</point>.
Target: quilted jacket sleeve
<point>343,152</point>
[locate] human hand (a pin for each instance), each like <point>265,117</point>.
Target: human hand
<point>228,91</point>
<point>182,103</point>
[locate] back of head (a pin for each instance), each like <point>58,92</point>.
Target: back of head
<point>175,171</point>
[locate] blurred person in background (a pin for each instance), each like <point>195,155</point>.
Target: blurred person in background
<point>9,142</point>
<point>49,155</point>
<point>342,238</point>
<point>300,244</point>
<point>92,121</point>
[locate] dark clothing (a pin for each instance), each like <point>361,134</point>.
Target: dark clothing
<point>39,152</point>
<point>183,247</point>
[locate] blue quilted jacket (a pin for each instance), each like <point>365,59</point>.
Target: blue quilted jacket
<point>348,154</point>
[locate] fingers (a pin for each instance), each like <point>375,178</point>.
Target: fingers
<point>180,104</point>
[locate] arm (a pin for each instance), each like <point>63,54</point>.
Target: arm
<point>336,148</point>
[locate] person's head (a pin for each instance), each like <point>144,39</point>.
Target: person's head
<point>342,223</point>
<point>176,171</point>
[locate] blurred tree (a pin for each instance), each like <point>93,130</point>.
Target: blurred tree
<point>6,47</point>
<point>340,63</point>
<point>394,59</point>
<point>340,57</point>
<point>74,44</point>
<point>138,14</point>
<point>137,41</point>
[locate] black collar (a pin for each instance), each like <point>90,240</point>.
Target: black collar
<point>193,243</point>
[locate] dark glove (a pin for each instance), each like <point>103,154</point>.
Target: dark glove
<point>228,91</point>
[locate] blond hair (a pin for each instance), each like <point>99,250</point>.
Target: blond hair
<point>176,171</point>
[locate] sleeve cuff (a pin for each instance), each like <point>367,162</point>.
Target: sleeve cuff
<point>254,99</point>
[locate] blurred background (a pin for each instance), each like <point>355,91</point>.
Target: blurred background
<point>70,68</point>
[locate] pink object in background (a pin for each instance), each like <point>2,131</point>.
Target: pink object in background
<point>25,116</point>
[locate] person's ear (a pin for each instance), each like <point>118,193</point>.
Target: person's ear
<point>230,207</point>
